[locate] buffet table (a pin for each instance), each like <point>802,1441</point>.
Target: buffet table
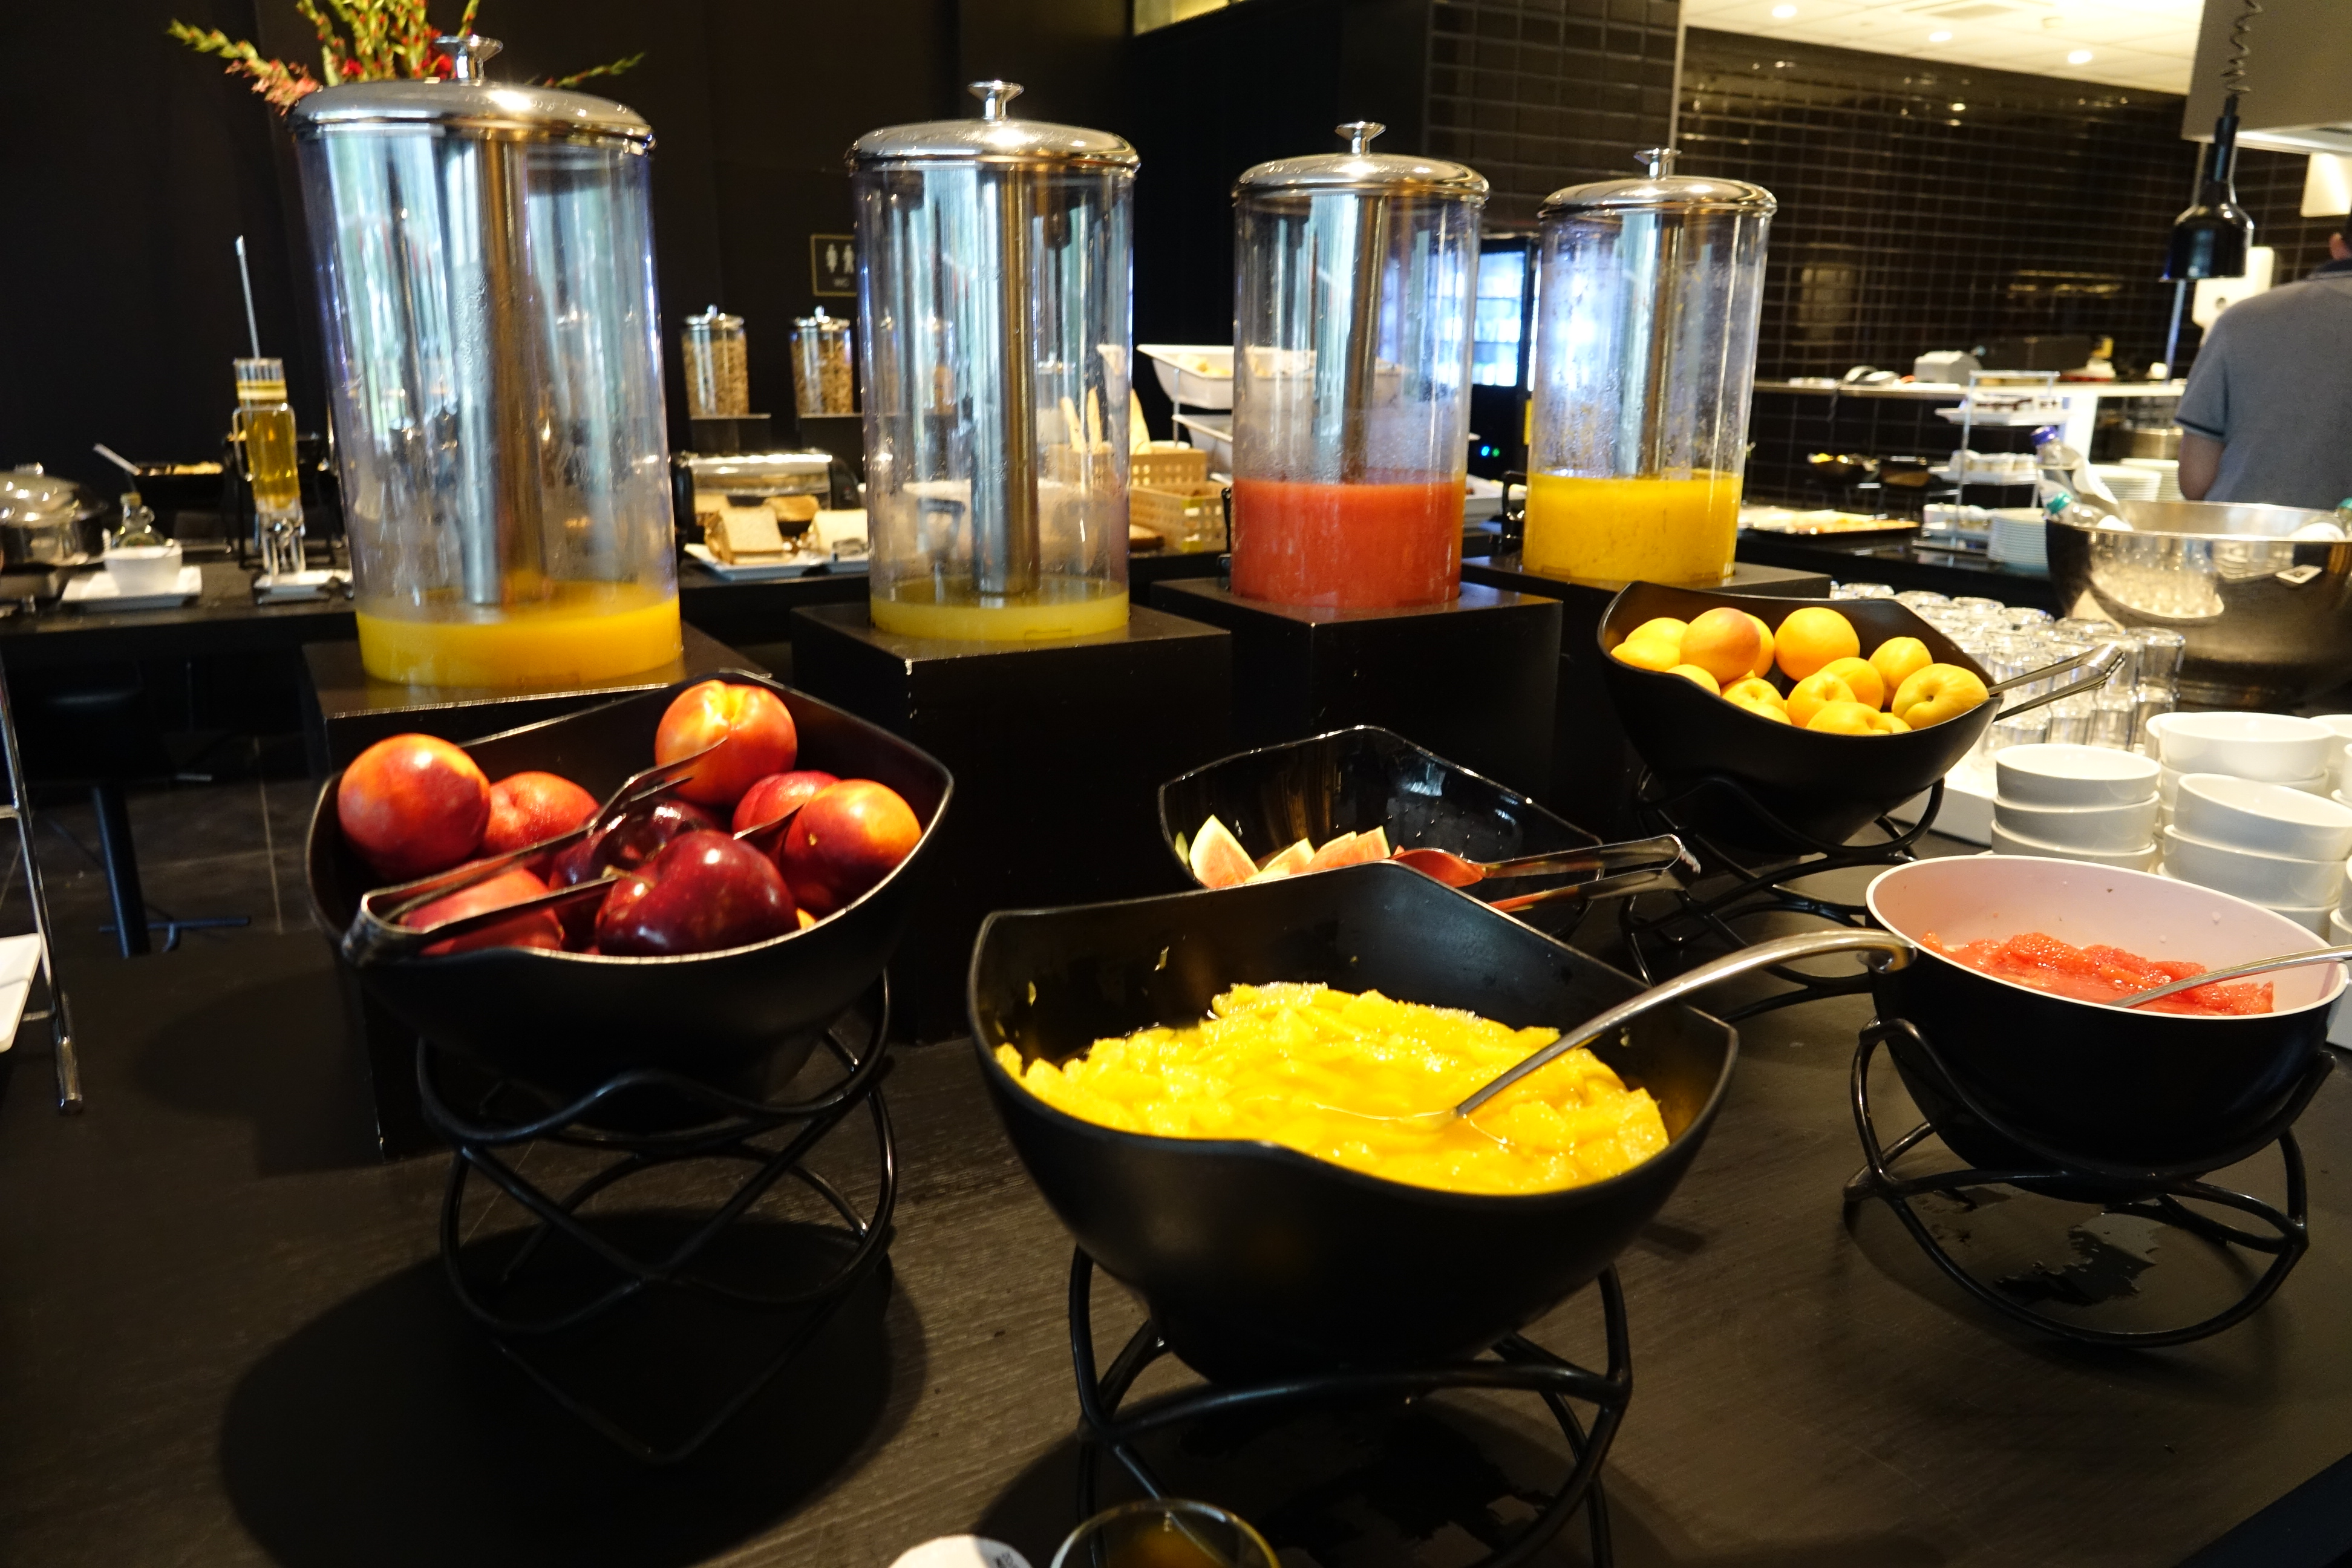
<point>234,1343</point>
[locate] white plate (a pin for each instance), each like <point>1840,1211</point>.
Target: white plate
<point>1193,375</point>
<point>2047,774</point>
<point>2266,879</point>
<point>2130,825</point>
<point>2273,747</point>
<point>95,591</point>
<point>799,565</point>
<point>2271,819</point>
<point>2005,842</point>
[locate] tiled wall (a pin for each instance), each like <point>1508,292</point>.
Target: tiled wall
<point>1907,223</point>
<point>1537,94</point>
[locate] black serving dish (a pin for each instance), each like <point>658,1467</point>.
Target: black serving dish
<point>743,1020</point>
<point>2120,1088</point>
<point>1825,787</point>
<point>1352,781</point>
<point>1257,1260</point>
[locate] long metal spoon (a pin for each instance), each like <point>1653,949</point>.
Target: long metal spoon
<point>2237,972</point>
<point>1633,855</point>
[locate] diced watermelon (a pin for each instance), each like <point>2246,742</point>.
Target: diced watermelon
<point>1287,863</point>
<point>1352,849</point>
<point>1217,857</point>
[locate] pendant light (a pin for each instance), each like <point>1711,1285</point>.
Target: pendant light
<point>2210,237</point>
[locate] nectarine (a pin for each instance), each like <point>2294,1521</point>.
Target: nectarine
<point>412,804</point>
<point>844,841</point>
<point>529,806</point>
<point>778,795</point>
<point>538,928</point>
<point>750,725</point>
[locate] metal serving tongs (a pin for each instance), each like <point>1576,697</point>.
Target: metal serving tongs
<point>1637,866</point>
<point>2238,971</point>
<point>376,936</point>
<point>1454,872</point>
<point>2099,662</point>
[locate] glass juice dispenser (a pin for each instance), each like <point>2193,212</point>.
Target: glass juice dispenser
<point>486,276</point>
<point>1351,376</point>
<point>994,280</point>
<point>1645,356</point>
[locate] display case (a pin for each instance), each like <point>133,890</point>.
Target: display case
<point>1645,346</point>
<point>995,288</point>
<point>1351,376</point>
<point>484,256</point>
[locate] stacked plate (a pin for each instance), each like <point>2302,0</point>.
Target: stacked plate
<point>2268,748</point>
<point>2270,845</point>
<point>2075,802</point>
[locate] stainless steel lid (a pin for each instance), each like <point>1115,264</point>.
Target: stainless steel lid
<point>821,322</point>
<point>1360,169</point>
<point>993,139</point>
<point>467,103</point>
<point>712,319</point>
<point>1660,189</point>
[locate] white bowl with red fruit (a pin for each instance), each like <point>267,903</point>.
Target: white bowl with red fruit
<point>747,904</point>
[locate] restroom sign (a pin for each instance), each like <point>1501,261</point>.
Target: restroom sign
<point>833,264</point>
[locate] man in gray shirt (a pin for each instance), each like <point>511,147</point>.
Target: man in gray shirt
<point>2267,415</point>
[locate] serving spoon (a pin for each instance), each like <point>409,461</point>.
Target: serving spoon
<point>1633,855</point>
<point>2237,971</point>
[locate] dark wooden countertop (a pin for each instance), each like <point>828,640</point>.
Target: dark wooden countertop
<point>224,1339</point>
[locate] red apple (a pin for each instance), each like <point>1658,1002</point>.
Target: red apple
<point>538,928</point>
<point>751,726</point>
<point>846,840</point>
<point>624,843</point>
<point>413,804</point>
<point>778,795</point>
<point>704,891</point>
<point>528,807</point>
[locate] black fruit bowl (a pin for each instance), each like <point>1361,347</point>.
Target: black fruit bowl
<point>1259,1260</point>
<point>743,1020</point>
<point>1352,781</point>
<point>1825,787</point>
<point>2123,1088</point>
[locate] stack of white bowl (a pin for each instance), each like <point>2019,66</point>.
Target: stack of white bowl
<point>2268,748</point>
<point>2280,848</point>
<point>2075,802</point>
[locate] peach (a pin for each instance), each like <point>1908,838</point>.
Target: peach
<point>1813,693</point>
<point>846,840</point>
<point>412,804</point>
<point>1869,686</point>
<point>778,795</point>
<point>1810,637</point>
<point>538,928</point>
<point>750,725</point>
<point>528,807</point>
<point>1722,642</point>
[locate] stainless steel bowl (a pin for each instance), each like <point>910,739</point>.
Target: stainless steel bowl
<point>2263,613</point>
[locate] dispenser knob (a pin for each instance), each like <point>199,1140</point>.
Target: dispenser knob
<point>1658,160</point>
<point>1359,133</point>
<point>993,96</point>
<point>468,53</point>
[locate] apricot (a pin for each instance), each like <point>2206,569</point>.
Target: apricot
<point>1722,642</point>
<point>1755,689</point>
<point>1763,665</point>
<point>1888,724</point>
<point>1938,692</point>
<point>1665,627</point>
<point>1648,653</point>
<point>1869,689</point>
<point>1699,677</point>
<point>1897,660</point>
<point>1810,695</point>
<point>751,727</point>
<point>1844,719</point>
<point>1771,711</point>
<point>844,841</point>
<point>411,804</point>
<point>1810,637</point>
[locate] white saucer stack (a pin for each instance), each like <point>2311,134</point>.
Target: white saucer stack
<point>2075,802</point>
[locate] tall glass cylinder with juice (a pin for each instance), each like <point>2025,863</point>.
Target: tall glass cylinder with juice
<point>1352,369</point>
<point>1644,362</point>
<point>495,370</point>
<point>267,434</point>
<point>1660,530</point>
<point>993,263</point>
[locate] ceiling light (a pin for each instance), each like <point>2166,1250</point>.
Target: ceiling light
<point>1939,38</point>
<point>2079,57</point>
<point>1784,12</point>
<point>1958,108</point>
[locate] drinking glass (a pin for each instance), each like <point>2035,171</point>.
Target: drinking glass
<point>1862,591</point>
<point>1165,1532</point>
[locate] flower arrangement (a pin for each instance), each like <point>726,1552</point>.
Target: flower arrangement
<point>379,40</point>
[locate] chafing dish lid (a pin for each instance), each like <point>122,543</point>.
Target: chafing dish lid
<point>467,102</point>
<point>1362,170</point>
<point>993,139</point>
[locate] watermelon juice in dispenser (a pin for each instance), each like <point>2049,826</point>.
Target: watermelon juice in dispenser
<point>493,343</point>
<point>1645,355</point>
<point>1351,376</point>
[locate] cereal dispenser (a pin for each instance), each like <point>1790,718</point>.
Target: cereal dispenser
<point>1351,376</point>
<point>1645,355</point>
<point>486,276</point>
<point>993,279</point>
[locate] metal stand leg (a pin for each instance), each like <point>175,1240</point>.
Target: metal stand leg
<point>56,1015</point>
<point>121,868</point>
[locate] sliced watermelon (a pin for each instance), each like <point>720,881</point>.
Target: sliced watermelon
<point>1354,849</point>
<point>1217,857</point>
<point>1287,863</point>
